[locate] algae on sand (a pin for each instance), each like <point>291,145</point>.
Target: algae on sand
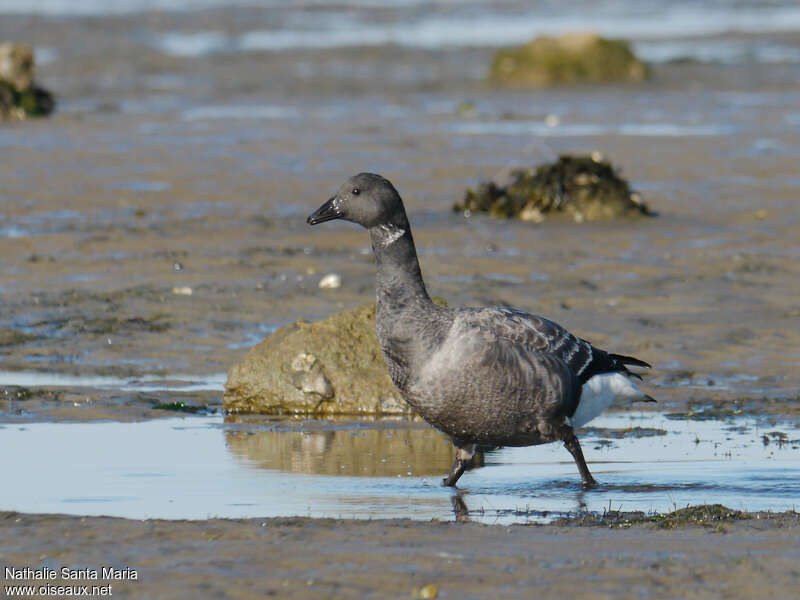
<point>568,59</point>
<point>705,515</point>
<point>587,188</point>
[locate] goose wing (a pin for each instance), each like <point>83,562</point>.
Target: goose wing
<point>537,334</point>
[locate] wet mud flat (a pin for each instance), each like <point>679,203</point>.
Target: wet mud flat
<point>703,555</point>
<point>155,224</point>
<point>153,229</point>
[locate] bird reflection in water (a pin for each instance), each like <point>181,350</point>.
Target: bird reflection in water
<point>462,513</point>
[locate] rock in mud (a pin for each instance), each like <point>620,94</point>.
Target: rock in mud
<point>568,59</point>
<point>329,367</point>
<point>587,188</point>
<point>20,98</point>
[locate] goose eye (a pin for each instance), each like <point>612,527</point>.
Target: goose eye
<point>356,191</point>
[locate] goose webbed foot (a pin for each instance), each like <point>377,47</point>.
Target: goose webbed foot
<point>571,443</point>
<point>464,455</point>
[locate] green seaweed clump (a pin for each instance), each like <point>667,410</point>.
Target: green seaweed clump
<point>18,105</point>
<point>568,59</point>
<point>705,516</point>
<point>16,392</point>
<point>180,406</point>
<point>587,188</point>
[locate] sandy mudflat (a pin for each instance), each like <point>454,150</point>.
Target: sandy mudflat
<point>322,558</point>
<point>165,170</point>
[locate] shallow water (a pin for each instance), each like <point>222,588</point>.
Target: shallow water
<point>203,467</point>
<point>146,383</point>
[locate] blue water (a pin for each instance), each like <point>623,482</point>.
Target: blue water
<point>661,31</point>
<point>146,383</point>
<point>200,467</point>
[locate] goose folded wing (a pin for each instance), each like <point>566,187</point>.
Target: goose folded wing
<point>538,334</point>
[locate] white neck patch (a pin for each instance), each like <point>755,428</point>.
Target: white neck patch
<point>390,234</point>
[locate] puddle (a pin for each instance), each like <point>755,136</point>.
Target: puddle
<point>147,383</point>
<point>252,338</point>
<point>540,128</point>
<point>205,113</point>
<point>723,51</point>
<point>143,186</point>
<point>202,467</point>
<point>13,231</point>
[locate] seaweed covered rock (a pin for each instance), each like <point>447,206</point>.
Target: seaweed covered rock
<point>333,366</point>
<point>587,188</point>
<point>20,98</point>
<point>571,58</point>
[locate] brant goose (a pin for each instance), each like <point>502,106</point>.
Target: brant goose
<point>495,376</point>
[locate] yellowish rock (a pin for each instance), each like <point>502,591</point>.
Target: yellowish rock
<point>16,65</point>
<point>426,591</point>
<point>567,59</point>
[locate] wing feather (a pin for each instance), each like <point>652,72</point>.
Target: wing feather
<point>538,334</point>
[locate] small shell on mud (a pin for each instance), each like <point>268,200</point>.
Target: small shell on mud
<point>427,591</point>
<point>552,121</point>
<point>183,290</point>
<point>331,281</point>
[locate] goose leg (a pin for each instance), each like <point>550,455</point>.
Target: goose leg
<point>460,508</point>
<point>571,444</point>
<point>464,453</point>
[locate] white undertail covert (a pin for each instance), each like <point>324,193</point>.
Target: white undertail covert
<point>600,392</point>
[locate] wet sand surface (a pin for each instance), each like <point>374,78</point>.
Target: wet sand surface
<point>313,558</point>
<point>153,230</point>
<point>132,192</point>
